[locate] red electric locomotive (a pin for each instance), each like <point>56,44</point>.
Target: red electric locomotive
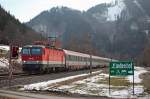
<point>40,58</point>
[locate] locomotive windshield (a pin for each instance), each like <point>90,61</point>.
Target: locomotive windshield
<point>32,51</point>
<point>36,51</point>
<point>26,51</point>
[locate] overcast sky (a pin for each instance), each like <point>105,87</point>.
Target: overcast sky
<point>24,10</point>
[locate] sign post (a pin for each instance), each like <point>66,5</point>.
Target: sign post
<point>123,68</point>
<point>133,83</point>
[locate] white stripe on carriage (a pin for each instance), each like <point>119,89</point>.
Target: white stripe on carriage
<point>42,62</point>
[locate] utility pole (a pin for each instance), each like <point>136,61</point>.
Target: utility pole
<point>90,51</point>
<point>10,71</point>
<point>13,54</point>
<point>90,63</point>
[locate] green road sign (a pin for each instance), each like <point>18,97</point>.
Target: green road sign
<point>121,68</point>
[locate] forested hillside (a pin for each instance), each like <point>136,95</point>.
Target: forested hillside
<point>11,30</point>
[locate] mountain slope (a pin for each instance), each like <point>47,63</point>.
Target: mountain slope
<point>11,30</point>
<point>67,24</point>
<point>116,33</point>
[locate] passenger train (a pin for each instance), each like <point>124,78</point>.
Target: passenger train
<point>40,58</point>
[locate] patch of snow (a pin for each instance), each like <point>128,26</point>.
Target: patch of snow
<point>65,87</point>
<point>83,92</point>
<point>119,94</point>
<point>104,75</point>
<point>4,63</point>
<point>44,85</point>
<point>137,72</point>
<point>115,10</point>
<point>137,89</point>
<point>127,93</point>
<point>4,47</point>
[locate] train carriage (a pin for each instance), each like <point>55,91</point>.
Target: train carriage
<point>76,60</point>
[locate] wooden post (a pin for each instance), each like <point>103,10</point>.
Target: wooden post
<point>90,64</point>
<point>109,76</point>
<point>133,80</point>
<point>109,84</point>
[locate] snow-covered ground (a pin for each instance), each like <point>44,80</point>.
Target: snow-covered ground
<point>96,85</point>
<point>3,63</point>
<point>92,86</point>
<point>4,47</point>
<point>45,85</point>
<point>137,72</point>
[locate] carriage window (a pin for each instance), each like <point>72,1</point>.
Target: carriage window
<point>36,51</point>
<point>26,51</point>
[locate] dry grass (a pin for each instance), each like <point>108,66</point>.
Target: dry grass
<point>115,81</point>
<point>6,97</point>
<point>146,81</point>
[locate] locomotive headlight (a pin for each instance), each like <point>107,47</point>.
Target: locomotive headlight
<point>24,61</point>
<point>37,61</point>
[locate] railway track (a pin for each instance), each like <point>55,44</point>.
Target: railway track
<point>23,79</point>
<point>5,76</point>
